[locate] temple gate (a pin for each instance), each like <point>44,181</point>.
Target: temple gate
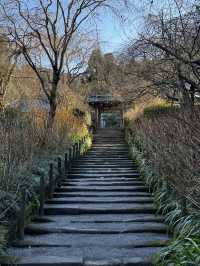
<point>108,111</point>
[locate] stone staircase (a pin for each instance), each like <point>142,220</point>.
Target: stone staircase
<point>102,215</point>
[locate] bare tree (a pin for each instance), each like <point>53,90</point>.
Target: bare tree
<point>170,47</point>
<point>47,28</point>
<point>8,60</point>
<point>77,56</point>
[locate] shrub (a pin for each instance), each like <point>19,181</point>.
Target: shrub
<point>159,109</point>
<point>22,159</point>
<point>166,148</point>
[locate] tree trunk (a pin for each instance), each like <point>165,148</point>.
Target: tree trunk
<point>52,112</point>
<point>1,102</point>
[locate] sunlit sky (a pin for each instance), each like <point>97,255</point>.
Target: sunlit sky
<point>111,35</point>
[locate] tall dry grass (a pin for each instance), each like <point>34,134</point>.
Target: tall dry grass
<point>21,153</point>
<point>170,139</point>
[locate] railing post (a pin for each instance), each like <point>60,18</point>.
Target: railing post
<point>75,151</point>
<point>51,180</point>
<point>78,149</point>
<point>22,215</point>
<point>42,195</point>
<point>184,205</point>
<point>59,162</point>
<point>83,142</point>
<point>70,154</point>
<point>66,164</point>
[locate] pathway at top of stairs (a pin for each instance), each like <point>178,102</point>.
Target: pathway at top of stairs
<point>102,215</point>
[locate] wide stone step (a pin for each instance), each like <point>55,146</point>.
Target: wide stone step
<point>109,149</point>
<point>79,200</point>
<point>98,228</point>
<point>103,156</point>
<point>120,240</point>
<point>61,209</point>
<point>99,218</point>
<point>103,165</point>
<point>97,194</point>
<point>110,152</point>
<point>108,184</point>
<point>104,169</point>
<point>107,180</point>
<point>110,146</point>
<point>105,160</point>
<point>86,256</point>
<point>108,228</point>
<point>76,261</point>
<point>96,171</point>
<point>100,175</point>
<point>137,188</point>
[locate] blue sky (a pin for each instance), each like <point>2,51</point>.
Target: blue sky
<point>111,35</point>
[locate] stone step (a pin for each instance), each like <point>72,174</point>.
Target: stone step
<point>99,218</point>
<point>104,166</point>
<point>97,183</point>
<point>74,261</point>
<point>109,149</point>
<point>101,215</point>
<point>100,175</point>
<point>94,165</point>
<point>85,256</point>
<point>109,137</point>
<point>110,152</point>
<point>97,194</point>
<point>106,156</point>
<point>108,228</point>
<point>110,146</point>
<point>101,189</point>
<point>105,160</point>
<point>111,142</point>
<point>78,200</point>
<point>61,209</point>
<point>107,180</point>
<point>120,240</point>
<point>103,169</point>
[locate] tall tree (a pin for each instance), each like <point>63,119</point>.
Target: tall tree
<point>47,28</point>
<point>170,43</point>
<point>8,59</point>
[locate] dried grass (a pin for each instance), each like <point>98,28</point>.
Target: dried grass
<point>171,142</point>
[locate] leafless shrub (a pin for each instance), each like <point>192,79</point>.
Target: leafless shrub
<point>172,144</point>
